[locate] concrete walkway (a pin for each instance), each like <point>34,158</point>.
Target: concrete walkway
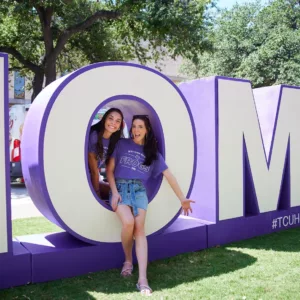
<point>21,204</point>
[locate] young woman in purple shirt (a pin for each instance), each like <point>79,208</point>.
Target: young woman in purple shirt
<point>132,163</point>
<point>102,140</point>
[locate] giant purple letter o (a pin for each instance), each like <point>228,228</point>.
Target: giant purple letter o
<point>55,138</point>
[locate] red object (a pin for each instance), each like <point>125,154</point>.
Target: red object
<point>16,151</point>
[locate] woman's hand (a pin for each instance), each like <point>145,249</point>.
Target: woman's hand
<point>115,199</point>
<point>185,203</point>
<point>186,206</point>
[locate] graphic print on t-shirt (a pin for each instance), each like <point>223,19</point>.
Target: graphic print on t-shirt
<point>129,162</point>
<point>105,148</point>
<point>134,160</point>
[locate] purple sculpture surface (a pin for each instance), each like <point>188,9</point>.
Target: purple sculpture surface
<point>236,153</point>
<point>248,161</point>
<point>52,183</point>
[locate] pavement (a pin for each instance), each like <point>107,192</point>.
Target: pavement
<point>21,204</point>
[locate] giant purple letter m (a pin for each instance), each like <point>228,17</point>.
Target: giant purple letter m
<point>249,149</point>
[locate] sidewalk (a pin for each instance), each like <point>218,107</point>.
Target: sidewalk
<point>21,204</point>
<point>23,208</point>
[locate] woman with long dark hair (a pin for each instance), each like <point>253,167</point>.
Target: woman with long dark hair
<point>102,140</point>
<point>133,162</point>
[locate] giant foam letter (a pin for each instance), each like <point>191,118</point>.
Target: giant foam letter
<point>5,218</point>
<point>55,135</point>
<point>248,156</point>
<point>15,267</point>
<point>238,124</point>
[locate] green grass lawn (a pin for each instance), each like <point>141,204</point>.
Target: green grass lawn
<point>266,267</point>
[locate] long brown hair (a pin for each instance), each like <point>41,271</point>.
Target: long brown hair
<point>100,127</point>
<point>150,145</point>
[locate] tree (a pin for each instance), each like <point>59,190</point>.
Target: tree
<point>260,43</point>
<point>46,35</point>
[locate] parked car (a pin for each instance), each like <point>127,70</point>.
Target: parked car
<point>17,114</point>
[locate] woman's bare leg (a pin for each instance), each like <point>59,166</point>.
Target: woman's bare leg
<point>141,247</point>
<point>125,214</point>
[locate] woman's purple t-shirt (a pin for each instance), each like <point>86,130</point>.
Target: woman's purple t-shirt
<point>92,147</point>
<point>129,158</point>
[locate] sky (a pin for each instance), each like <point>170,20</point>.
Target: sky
<point>229,3</point>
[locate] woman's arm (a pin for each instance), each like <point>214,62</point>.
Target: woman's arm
<point>116,197</point>
<point>93,165</point>
<point>185,203</point>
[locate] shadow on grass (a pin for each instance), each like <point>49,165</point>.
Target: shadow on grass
<point>162,274</point>
<point>286,240</point>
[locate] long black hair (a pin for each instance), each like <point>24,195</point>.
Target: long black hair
<point>100,127</point>
<point>150,145</point>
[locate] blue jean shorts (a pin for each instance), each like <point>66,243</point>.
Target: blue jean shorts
<point>133,194</point>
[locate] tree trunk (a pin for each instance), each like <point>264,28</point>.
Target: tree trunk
<point>37,84</point>
<point>50,69</point>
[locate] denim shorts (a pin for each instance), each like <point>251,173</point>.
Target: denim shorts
<point>133,194</point>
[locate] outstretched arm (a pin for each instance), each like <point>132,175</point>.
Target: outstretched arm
<point>185,203</point>
<point>116,197</point>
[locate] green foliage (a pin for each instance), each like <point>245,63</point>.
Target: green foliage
<point>21,31</point>
<point>260,43</point>
<point>69,34</point>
